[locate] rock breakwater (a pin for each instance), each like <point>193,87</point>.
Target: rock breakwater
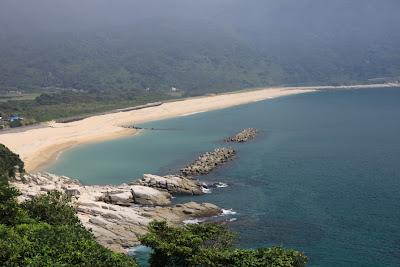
<point>243,136</point>
<point>208,162</point>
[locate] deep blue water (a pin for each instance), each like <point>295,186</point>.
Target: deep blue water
<point>322,177</point>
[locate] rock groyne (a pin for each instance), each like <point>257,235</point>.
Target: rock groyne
<point>243,136</point>
<point>208,161</point>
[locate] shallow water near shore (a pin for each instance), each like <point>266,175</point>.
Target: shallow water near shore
<point>323,176</point>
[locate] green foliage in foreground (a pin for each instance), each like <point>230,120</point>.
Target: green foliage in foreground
<point>8,161</point>
<point>52,208</point>
<point>210,245</point>
<point>45,230</point>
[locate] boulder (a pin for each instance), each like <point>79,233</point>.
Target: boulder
<point>123,198</point>
<point>173,184</point>
<point>149,196</point>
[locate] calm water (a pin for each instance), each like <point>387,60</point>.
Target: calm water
<point>323,177</point>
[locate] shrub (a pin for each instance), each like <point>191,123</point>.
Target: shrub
<point>210,245</point>
<point>8,161</point>
<point>53,208</point>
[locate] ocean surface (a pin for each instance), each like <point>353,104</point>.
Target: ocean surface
<point>323,176</point>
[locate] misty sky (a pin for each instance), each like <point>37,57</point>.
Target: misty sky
<point>250,16</point>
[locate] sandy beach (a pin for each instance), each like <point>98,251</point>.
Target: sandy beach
<point>40,146</point>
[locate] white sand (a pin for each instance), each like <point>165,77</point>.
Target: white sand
<point>40,146</point>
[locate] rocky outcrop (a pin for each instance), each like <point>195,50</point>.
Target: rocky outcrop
<point>243,136</point>
<point>136,194</point>
<point>208,161</point>
<point>173,184</point>
<point>117,215</point>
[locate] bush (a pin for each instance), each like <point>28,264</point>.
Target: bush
<point>8,161</point>
<point>41,244</point>
<point>210,245</point>
<point>11,212</point>
<point>53,208</point>
<point>16,123</point>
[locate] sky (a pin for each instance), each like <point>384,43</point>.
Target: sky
<point>249,16</point>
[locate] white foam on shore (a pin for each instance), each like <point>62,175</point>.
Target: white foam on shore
<point>191,113</point>
<point>206,190</point>
<point>221,185</point>
<point>139,248</point>
<point>193,221</point>
<point>228,212</point>
<point>224,213</point>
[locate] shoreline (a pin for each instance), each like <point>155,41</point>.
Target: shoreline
<point>39,147</point>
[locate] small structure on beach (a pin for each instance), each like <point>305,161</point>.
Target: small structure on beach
<point>14,118</point>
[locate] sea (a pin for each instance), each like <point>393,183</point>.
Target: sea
<point>322,176</point>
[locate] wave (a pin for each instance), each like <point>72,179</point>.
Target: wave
<point>228,212</point>
<point>192,113</point>
<point>217,218</point>
<point>138,249</point>
<point>206,190</point>
<point>221,185</point>
<point>194,221</point>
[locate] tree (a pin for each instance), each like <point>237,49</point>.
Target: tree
<point>53,208</point>
<point>210,245</point>
<point>11,212</point>
<point>8,161</point>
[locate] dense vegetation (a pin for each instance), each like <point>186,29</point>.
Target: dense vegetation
<point>45,230</point>
<point>210,245</point>
<point>53,105</point>
<point>8,162</point>
<point>77,69</point>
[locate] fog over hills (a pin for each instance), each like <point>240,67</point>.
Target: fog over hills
<point>199,46</point>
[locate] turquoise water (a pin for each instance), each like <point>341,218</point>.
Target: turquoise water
<point>323,176</point>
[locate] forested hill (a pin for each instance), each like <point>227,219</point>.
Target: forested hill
<point>197,46</point>
<point>82,56</point>
<point>197,58</point>
<point>192,58</point>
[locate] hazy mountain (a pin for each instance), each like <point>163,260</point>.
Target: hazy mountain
<point>198,46</point>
